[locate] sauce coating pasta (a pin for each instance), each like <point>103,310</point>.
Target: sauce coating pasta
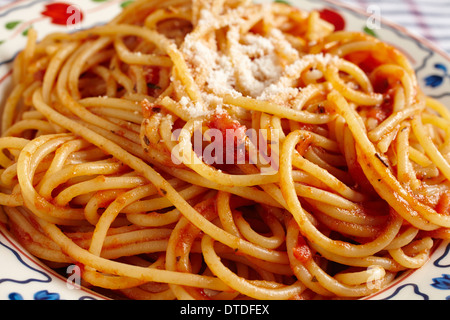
<point>223,150</point>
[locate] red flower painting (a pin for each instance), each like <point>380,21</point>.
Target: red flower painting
<point>333,17</point>
<point>63,13</point>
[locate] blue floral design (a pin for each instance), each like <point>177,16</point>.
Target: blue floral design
<point>38,275</point>
<point>442,283</point>
<point>440,262</point>
<point>435,80</point>
<point>40,295</point>
<point>415,288</point>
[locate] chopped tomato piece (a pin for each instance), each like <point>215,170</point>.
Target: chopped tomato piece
<point>302,252</point>
<point>443,205</point>
<point>334,18</point>
<point>233,133</point>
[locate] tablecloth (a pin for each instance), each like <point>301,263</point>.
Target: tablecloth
<point>427,18</point>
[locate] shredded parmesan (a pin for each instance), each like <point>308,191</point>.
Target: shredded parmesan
<point>262,67</point>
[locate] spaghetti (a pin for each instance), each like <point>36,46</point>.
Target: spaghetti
<point>223,150</point>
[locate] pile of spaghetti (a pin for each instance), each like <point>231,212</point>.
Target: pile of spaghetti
<point>356,191</point>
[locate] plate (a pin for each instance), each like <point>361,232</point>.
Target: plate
<point>22,277</point>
